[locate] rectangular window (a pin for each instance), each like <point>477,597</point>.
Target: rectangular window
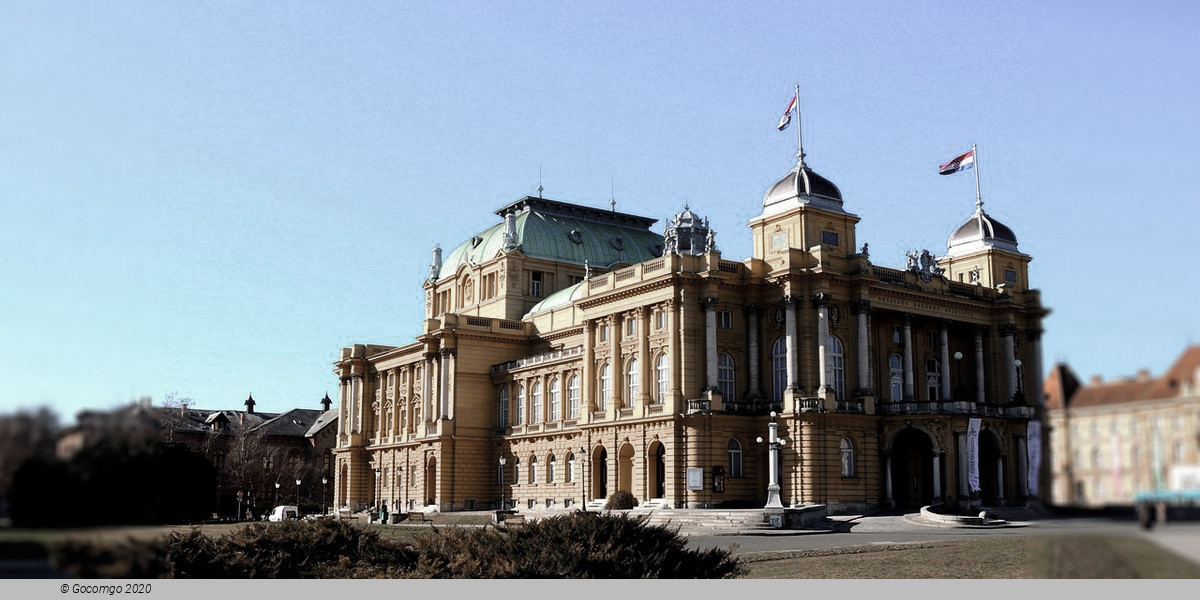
<point>631,326</point>
<point>535,284</point>
<point>660,319</point>
<point>604,333</point>
<point>1010,276</point>
<point>724,319</point>
<point>829,238</point>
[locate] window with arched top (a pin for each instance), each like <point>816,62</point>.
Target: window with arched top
<point>573,397</point>
<point>555,400</point>
<point>933,380</point>
<point>551,465</point>
<point>664,377</point>
<point>535,402</point>
<point>631,382</point>
<point>570,467</point>
<point>896,377</point>
<point>533,474</point>
<point>605,387</point>
<point>519,409</point>
<point>502,418</point>
<point>779,369</point>
<point>734,448</point>
<point>725,377</point>
<point>837,367</point>
<point>846,448</point>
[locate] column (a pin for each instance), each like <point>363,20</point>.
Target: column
<point>644,359</point>
<point>821,303</point>
<point>426,392</point>
<point>1010,367</point>
<point>587,400</point>
<point>887,482</point>
<point>344,405</point>
<point>937,476</point>
<point>686,371</point>
<point>862,308</point>
<point>1000,479</point>
<point>443,382</point>
<point>1022,467</point>
<point>616,367</point>
<point>753,350</point>
<point>676,350</point>
<point>448,364</point>
<point>710,342</point>
<point>793,362</point>
<point>960,446</point>
<point>944,342</point>
<point>356,403</point>
<point>980,388</point>
<point>908,360</point>
<point>1035,354</point>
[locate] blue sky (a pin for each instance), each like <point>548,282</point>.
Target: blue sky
<point>212,198</point>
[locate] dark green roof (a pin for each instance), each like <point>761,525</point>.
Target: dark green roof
<point>563,232</point>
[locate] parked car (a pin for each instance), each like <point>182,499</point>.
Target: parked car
<point>284,513</point>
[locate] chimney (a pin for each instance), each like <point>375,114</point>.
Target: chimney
<point>326,402</point>
<point>1143,375</point>
<point>250,404</point>
<point>1096,380</point>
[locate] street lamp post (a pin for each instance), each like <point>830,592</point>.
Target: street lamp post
<point>297,493</point>
<point>958,375</point>
<point>276,493</point>
<point>579,467</point>
<point>324,507</point>
<point>500,479</point>
<point>774,443</point>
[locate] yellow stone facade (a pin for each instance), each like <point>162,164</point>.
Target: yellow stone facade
<point>569,352</point>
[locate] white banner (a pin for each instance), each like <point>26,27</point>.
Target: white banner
<point>1033,453</point>
<point>973,454</point>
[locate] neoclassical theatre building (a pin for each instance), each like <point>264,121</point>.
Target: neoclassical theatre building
<point>569,352</point>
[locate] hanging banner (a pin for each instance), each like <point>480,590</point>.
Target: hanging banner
<point>973,454</point>
<point>1033,454</point>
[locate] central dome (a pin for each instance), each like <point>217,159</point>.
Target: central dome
<point>802,187</point>
<point>981,231</point>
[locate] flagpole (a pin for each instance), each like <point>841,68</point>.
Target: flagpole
<point>978,198</point>
<point>799,132</point>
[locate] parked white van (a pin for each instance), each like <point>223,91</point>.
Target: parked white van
<point>284,513</point>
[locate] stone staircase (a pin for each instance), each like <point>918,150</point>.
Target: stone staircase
<point>706,520</point>
<point>1018,513</point>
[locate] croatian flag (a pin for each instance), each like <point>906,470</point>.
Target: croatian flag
<point>960,163</point>
<point>787,114</point>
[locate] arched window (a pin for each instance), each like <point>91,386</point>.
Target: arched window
<point>725,377</point>
<point>664,377</point>
<point>533,469</point>
<point>605,387</point>
<point>837,367</point>
<point>933,380</point>
<point>551,464</point>
<point>520,408</point>
<point>896,376</point>
<point>631,382</point>
<point>555,401</point>
<point>779,368</point>
<point>535,403</point>
<point>573,397</point>
<point>846,447</point>
<point>570,467</point>
<point>735,458</point>
<point>502,421</point>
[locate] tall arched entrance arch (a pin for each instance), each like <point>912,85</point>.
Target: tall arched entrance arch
<point>599,473</point>
<point>990,464</point>
<point>657,467</point>
<point>625,468</point>
<point>912,469</point>
<point>431,481</point>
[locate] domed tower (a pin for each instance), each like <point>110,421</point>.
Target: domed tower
<point>687,233</point>
<point>803,210</point>
<point>984,251</point>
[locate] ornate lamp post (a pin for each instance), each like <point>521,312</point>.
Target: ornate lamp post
<point>276,493</point>
<point>324,484</point>
<point>501,481</point>
<point>297,493</point>
<point>958,375</point>
<point>774,443</point>
<point>579,467</point>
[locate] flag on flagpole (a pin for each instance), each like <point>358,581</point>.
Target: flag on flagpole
<point>787,114</point>
<point>960,163</point>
